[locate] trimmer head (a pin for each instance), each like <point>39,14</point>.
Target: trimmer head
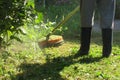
<point>54,40</point>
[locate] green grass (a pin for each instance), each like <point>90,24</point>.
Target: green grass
<point>28,62</point>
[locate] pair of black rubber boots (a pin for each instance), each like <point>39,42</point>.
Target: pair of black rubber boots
<point>85,42</point>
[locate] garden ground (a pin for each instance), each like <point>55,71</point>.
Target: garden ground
<point>28,62</point>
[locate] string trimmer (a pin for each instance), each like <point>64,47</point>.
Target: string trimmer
<point>55,40</point>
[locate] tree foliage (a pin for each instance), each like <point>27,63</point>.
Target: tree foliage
<point>41,4</point>
<point>12,16</point>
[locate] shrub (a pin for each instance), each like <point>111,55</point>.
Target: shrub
<point>12,16</point>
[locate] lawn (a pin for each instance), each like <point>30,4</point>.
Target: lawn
<point>28,62</point>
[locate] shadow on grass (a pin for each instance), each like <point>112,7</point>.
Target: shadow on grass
<point>48,71</point>
<point>89,59</point>
<point>51,69</point>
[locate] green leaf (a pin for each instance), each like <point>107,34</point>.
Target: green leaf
<point>22,31</point>
<point>16,38</point>
<point>39,18</point>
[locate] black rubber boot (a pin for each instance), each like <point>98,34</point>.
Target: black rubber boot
<point>85,42</point>
<point>107,42</point>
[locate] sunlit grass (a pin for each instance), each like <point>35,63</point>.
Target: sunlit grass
<point>24,62</point>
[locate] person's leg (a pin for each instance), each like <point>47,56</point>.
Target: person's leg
<point>85,41</point>
<point>107,42</point>
<point>107,12</point>
<point>86,13</point>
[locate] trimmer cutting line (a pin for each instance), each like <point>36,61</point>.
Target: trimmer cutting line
<point>56,40</point>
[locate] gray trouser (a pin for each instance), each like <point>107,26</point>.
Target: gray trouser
<point>106,10</point>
